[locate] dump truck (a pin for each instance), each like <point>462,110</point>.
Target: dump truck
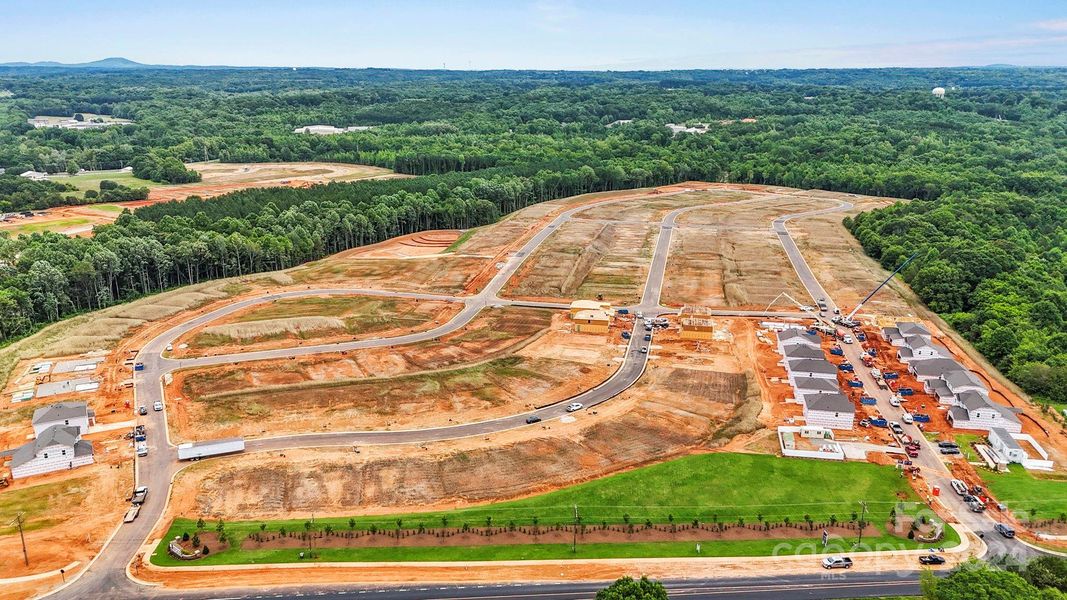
<point>198,450</point>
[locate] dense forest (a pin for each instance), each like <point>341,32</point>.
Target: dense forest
<point>985,166</point>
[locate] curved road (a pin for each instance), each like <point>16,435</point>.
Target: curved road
<point>105,577</point>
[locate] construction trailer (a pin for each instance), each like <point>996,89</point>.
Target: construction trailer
<point>198,450</point>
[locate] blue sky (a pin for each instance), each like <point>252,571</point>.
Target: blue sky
<point>542,34</point>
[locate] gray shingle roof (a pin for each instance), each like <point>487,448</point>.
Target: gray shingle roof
<point>935,367</point>
<point>811,365</point>
<point>917,341</point>
<point>798,335</point>
<point>829,403</point>
<point>906,329</point>
<point>817,383</point>
<point>54,435</point>
<point>956,379</point>
<point>803,351</point>
<point>1005,438</point>
<point>60,411</point>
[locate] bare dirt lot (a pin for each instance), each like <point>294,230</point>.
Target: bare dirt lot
<point>584,259</point>
<point>696,397</point>
<point>313,320</point>
<point>468,375</point>
<point>69,514</point>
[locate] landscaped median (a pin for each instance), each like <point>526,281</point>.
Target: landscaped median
<point>703,505</point>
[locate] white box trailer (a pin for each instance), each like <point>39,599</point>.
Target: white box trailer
<point>198,450</point>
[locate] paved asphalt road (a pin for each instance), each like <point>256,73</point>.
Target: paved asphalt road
<point>105,578</point>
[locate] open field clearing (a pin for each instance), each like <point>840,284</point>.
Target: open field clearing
<point>218,178</point>
<point>449,274</point>
<point>469,375</point>
<point>718,488</point>
<point>295,321</point>
<point>67,517</point>
<point>652,209</point>
<point>584,259</point>
<point>90,180</point>
<point>728,256</point>
<point>1023,491</point>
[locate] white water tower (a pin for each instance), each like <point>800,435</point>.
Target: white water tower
<point>938,92</point>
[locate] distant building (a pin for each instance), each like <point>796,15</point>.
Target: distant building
<point>330,129</point>
<point>34,175</point>
<point>817,368</point>
<point>695,324</point>
<point>619,122</point>
<point>927,370</point>
<point>938,92</point>
<point>974,410</point>
<point>1007,445</point>
<point>903,329</point>
<point>55,449</point>
<point>67,414</point>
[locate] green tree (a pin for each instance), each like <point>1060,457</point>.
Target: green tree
<point>628,588</point>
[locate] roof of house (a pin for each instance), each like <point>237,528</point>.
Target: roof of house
<point>60,411</point>
<point>956,379</point>
<point>829,403</point>
<point>940,389</point>
<point>904,352</point>
<point>62,435</point>
<point>803,351</point>
<point>891,333</point>
<point>971,400</point>
<point>908,329</point>
<point>811,365</point>
<point>1005,438</point>
<point>589,305</point>
<point>816,383</point>
<point>934,367</point>
<point>957,414</point>
<point>592,315</point>
<point>917,341</point>
<point>797,336</point>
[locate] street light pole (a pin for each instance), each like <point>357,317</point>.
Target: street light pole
<point>862,520</point>
<point>20,518</point>
<point>574,541</point>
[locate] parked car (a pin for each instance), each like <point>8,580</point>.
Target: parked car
<point>847,339</point>
<point>950,451</point>
<point>626,335</point>
<point>865,422</point>
<point>170,347</point>
<point>1004,530</point>
<point>977,490</point>
<point>894,401</point>
<point>648,337</point>
<point>976,506</point>
<point>157,406</point>
<point>139,494</point>
<point>945,444</point>
<point>931,559</point>
<point>574,406</point>
<point>644,349</point>
<point>959,487</point>
<point>896,428</point>
<point>837,562</point>
<point>142,449</point>
<point>906,417</point>
<point>530,420</point>
<point>142,410</point>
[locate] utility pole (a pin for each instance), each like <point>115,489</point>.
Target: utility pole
<point>20,519</point>
<point>577,520</point>
<point>863,514</point>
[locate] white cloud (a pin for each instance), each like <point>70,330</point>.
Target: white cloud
<point>1052,25</point>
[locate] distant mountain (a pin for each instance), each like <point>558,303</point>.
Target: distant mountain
<point>107,63</point>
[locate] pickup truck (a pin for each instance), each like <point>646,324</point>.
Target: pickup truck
<point>879,422</point>
<point>139,494</point>
<point>837,351</point>
<point>846,367</point>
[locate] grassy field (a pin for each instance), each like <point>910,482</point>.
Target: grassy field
<point>1023,491</point>
<point>718,487</point>
<point>91,180</point>
<point>965,440</point>
<point>55,225</point>
<point>37,502</point>
<point>462,239</point>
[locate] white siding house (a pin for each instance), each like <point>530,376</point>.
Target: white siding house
<point>975,411</point>
<point>793,337</point>
<point>67,414</point>
<point>934,368</point>
<point>55,449</point>
<point>818,368</point>
<point>833,411</point>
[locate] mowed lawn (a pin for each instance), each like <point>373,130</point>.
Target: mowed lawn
<point>720,487</point>
<point>1023,491</point>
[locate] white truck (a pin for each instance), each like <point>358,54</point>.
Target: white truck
<point>198,450</point>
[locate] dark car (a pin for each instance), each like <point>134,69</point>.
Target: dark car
<point>530,420</point>
<point>950,451</point>
<point>142,410</point>
<point>947,445</point>
<point>1004,530</point>
<point>931,559</point>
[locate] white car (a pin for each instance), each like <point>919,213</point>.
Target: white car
<point>848,339</point>
<point>644,349</point>
<point>574,406</point>
<point>170,347</point>
<point>907,418</point>
<point>894,401</point>
<point>158,406</point>
<point>142,449</point>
